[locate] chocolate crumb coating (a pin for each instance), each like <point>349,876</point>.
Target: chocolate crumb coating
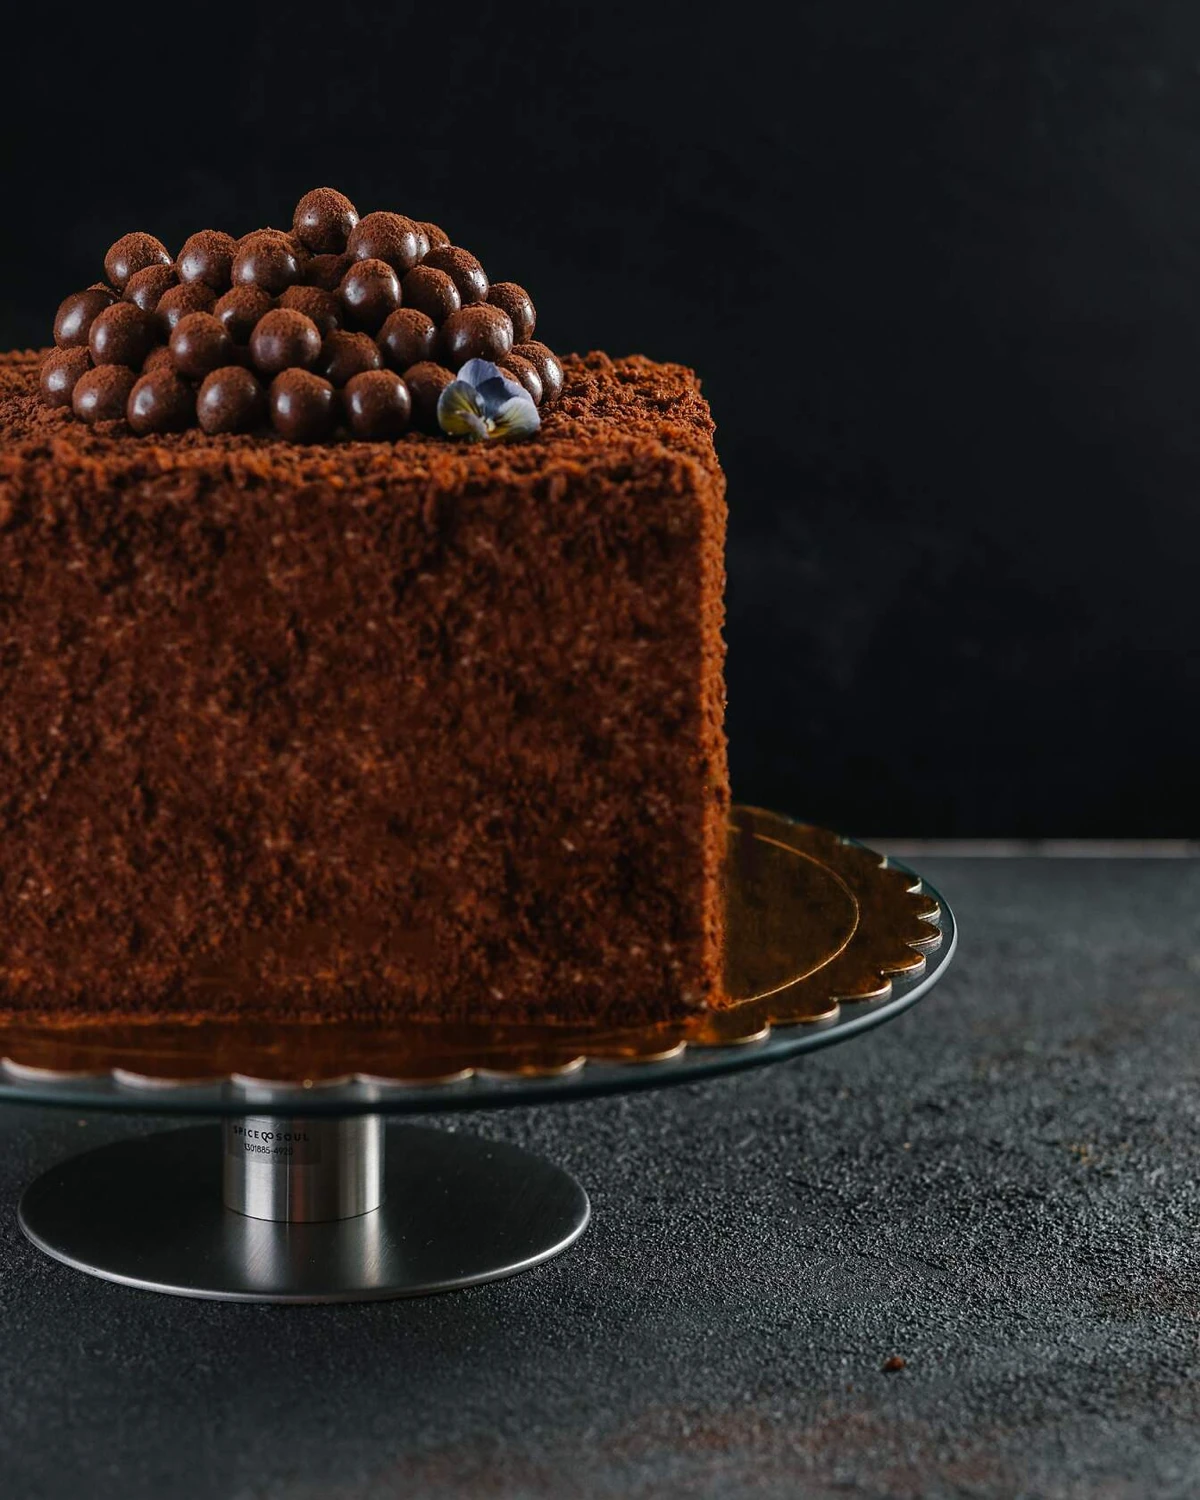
<point>367,729</point>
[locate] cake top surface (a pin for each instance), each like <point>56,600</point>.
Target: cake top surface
<point>610,411</point>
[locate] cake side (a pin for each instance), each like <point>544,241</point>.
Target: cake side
<point>375,730</point>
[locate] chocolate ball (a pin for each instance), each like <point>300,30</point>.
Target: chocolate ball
<point>267,259</point>
<point>409,337</point>
<point>524,372</point>
<point>101,395</point>
<point>425,383</point>
<point>344,355</point>
<point>323,219</point>
<point>240,310</point>
<point>326,271</point>
<point>161,402</point>
<point>76,314</point>
<point>132,253</point>
<point>199,344</point>
<point>463,270</point>
<point>478,332</point>
<point>424,243</point>
<point>284,339</point>
<point>517,303</point>
<point>377,405</point>
<point>432,292</point>
<point>434,235</point>
<point>60,372</point>
<point>146,287</point>
<point>547,364</point>
<point>159,358</point>
<point>122,335</point>
<point>230,400</point>
<point>208,257</point>
<point>370,290</point>
<point>387,237</point>
<point>303,406</point>
<point>177,301</point>
<point>322,307</point>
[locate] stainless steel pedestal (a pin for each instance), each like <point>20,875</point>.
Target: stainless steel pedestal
<point>443,1211</point>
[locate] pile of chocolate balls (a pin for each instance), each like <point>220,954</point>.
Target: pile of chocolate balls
<point>344,326</point>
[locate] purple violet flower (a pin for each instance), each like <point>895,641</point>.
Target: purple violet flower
<point>483,401</point>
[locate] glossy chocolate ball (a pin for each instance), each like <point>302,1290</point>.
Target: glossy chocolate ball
<point>60,371</point>
<point>208,257</point>
<point>463,270</point>
<point>230,400</point>
<point>547,364</point>
<point>267,259</point>
<point>524,372</point>
<point>101,395</point>
<point>159,358</point>
<point>122,335</point>
<point>517,303</point>
<point>326,271</point>
<point>199,344</point>
<point>131,253</point>
<point>425,383</point>
<point>240,310</point>
<point>160,402</point>
<point>387,237</point>
<point>284,339</point>
<point>76,314</point>
<point>434,235</point>
<point>345,355</point>
<point>177,301</point>
<point>424,243</point>
<point>432,292</point>
<point>478,332</point>
<point>322,307</point>
<point>146,287</point>
<point>370,290</point>
<point>303,406</point>
<point>377,405</point>
<point>323,219</point>
<point>409,337</point>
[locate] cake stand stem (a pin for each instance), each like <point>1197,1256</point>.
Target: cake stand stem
<point>304,1171</point>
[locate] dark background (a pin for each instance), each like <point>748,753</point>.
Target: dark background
<point>937,264</point>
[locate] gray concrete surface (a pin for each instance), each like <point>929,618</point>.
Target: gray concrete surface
<point>999,1188</point>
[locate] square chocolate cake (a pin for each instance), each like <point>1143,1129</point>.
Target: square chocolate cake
<point>296,724</point>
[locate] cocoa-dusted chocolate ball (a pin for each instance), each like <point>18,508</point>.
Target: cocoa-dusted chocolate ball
<point>424,243</point>
<point>430,291</point>
<point>370,290</point>
<point>230,400</point>
<point>240,310</point>
<point>322,307</point>
<point>207,257</point>
<point>326,271</point>
<point>387,237</point>
<point>434,235</point>
<point>284,339</point>
<point>145,287</point>
<point>303,406</point>
<point>409,337</point>
<point>122,335</point>
<point>547,364</point>
<point>425,383</point>
<point>160,402</point>
<point>517,303</point>
<point>177,301</point>
<point>159,358</point>
<point>323,219</point>
<point>60,371</point>
<point>101,395</point>
<point>477,332</point>
<point>463,270</point>
<point>524,372</point>
<point>131,253</point>
<point>345,355</point>
<point>377,405</point>
<point>267,259</point>
<point>199,344</point>
<point>76,314</point>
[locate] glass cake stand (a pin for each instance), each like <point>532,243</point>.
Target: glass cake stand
<point>300,1192</point>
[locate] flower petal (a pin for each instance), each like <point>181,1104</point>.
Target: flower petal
<point>476,371</point>
<point>498,389</point>
<point>517,418</point>
<point>460,411</point>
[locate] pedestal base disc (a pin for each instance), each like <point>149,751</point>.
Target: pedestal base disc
<point>457,1211</point>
